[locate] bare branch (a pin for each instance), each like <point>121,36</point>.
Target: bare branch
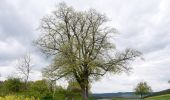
<point>24,67</point>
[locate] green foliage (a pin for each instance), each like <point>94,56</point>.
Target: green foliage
<point>74,87</point>
<point>80,45</point>
<point>142,89</point>
<point>13,85</point>
<point>59,89</point>
<point>37,90</point>
<point>39,86</point>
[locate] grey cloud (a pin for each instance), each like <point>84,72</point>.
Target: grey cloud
<point>17,32</point>
<point>11,22</point>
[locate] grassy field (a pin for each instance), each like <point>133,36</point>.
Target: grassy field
<point>124,99</point>
<point>162,97</point>
<point>119,99</point>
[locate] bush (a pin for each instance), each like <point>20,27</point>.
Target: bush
<point>13,85</point>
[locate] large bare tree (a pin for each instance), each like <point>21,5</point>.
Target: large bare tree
<point>24,66</point>
<point>81,46</point>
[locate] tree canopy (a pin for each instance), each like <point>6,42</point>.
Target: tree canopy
<point>142,89</point>
<point>81,46</point>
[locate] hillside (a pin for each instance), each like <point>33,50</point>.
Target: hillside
<point>161,97</point>
<point>163,92</point>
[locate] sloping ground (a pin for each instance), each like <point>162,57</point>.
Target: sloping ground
<point>164,92</point>
<point>161,97</point>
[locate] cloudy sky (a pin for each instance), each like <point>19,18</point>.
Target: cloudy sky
<point>143,25</point>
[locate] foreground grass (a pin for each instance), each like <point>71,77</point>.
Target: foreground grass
<point>119,99</point>
<point>13,97</point>
<point>62,97</point>
<point>57,97</point>
<point>161,97</point>
<point>124,99</point>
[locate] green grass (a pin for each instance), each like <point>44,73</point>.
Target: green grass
<point>123,99</point>
<point>119,99</point>
<point>161,97</point>
<point>76,97</point>
<point>62,97</point>
<point>57,97</point>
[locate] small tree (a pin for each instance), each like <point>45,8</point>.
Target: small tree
<point>142,89</point>
<point>25,67</point>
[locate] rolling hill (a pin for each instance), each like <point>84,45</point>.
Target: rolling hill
<point>161,97</point>
<point>163,92</point>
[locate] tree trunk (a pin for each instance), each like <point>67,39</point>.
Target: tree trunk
<point>141,96</point>
<point>87,91</point>
<point>84,93</point>
<point>26,82</point>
